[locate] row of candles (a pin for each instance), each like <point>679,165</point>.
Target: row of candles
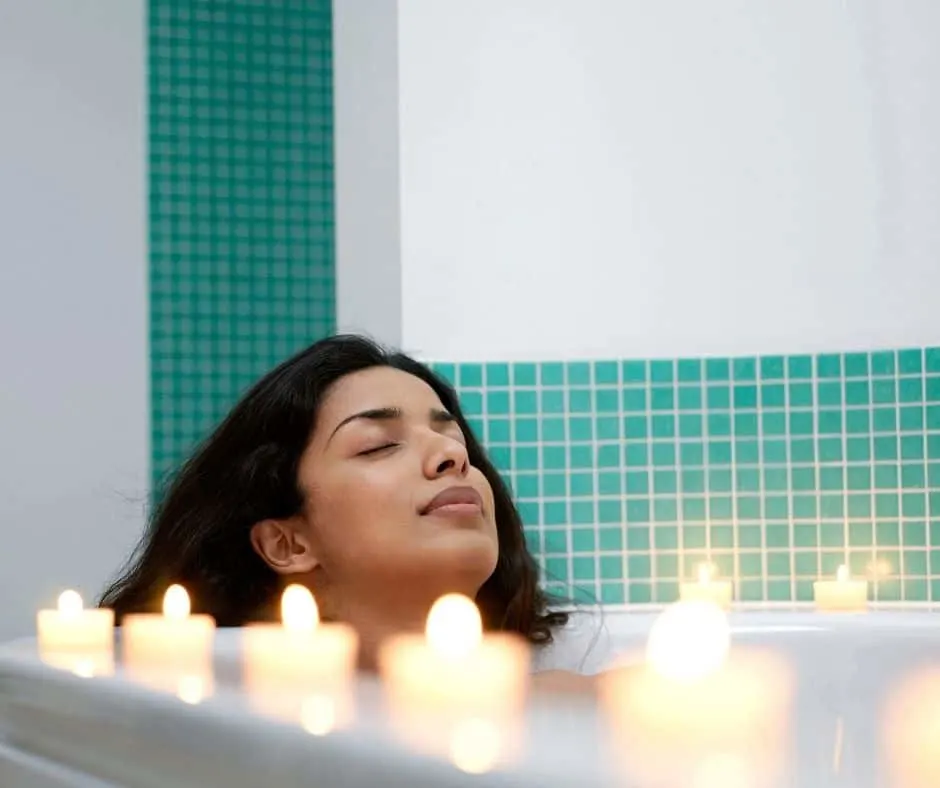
<point>460,692</point>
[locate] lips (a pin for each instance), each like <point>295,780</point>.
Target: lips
<point>455,500</point>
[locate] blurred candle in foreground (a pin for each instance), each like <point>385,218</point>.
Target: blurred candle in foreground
<point>911,731</point>
<point>172,650</point>
<point>695,711</point>
<point>76,638</point>
<point>301,668</point>
<point>842,594</point>
<point>455,691</point>
<point>707,589</point>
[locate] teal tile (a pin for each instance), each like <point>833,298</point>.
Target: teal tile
<point>932,359</point>
<point>746,451</point>
<point>800,395</point>
<point>498,431</point>
<point>858,449</point>
<point>610,538</point>
<point>744,369</point>
<point>690,425</point>
<point>689,370</point>
<point>525,458</point>
<point>718,397</point>
<point>690,397</point>
<point>634,400</point>
<point>694,510</point>
<point>553,429</point>
<point>633,371</point>
<point>775,451</point>
<point>774,423</point>
<point>662,398</point>
<point>665,482</point>
<point>882,363</point>
<point>717,369</point>
<point>470,375</point>
<point>580,428</point>
<point>799,367</point>
<point>582,456</point>
<point>607,428</point>
<point>610,511</point>
<point>524,374</point>
<point>745,424</point>
<point>911,361</point>
<point>911,418</point>
<point>606,401</point>
<point>663,426</point>
<point>524,402</point>
<point>719,425</point>
<point>606,373</point>
<point>552,374</point>
<point>745,396</point>
<point>772,368</point>
<point>448,372</point>
<point>829,422</point>
<point>932,393</point>
<point>635,427</point>
<point>579,373</point>
<point>856,365</point>
<point>583,540</point>
<point>662,371</point>
<point>773,395</point>
<point>884,391</point>
<point>691,454</point>
<point>552,401</point>
<point>857,392</point>
<point>608,456</point>
<point>858,422</point>
<point>828,365</point>
<point>472,403</point>
<point>579,400</point>
<point>496,374</point>
<point>555,513</point>
<point>637,483</point>
<point>608,483</point>
<point>582,484</point>
<point>719,452</point>
<point>497,402</point>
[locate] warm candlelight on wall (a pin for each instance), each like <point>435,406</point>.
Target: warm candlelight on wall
<point>696,711</point>
<point>301,668</point>
<point>911,731</point>
<point>842,594</point>
<point>76,638</point>
<point>171,650</point>
<point>707,589</point>
<point>455,691</point>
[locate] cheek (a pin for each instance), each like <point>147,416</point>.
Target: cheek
<point>355,512</point>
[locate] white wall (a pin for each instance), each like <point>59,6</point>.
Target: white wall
<point>73,299</point>
<point>621,177</point>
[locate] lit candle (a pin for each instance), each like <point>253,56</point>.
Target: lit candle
<point>171,650</point>
<point>75,638</point>
<point>842,594</point>
<point>695,711</point>
<point>455,691</point>
<point>911,730</point>
<point>301,668</point>
<point>707,589</point>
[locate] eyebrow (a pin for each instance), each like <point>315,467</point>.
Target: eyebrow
<point>438,417</point>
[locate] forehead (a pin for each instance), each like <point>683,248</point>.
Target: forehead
<point>376,387</point>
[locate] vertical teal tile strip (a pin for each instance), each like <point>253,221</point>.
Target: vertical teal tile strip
<point>778,469</point>
<point>241,202</point>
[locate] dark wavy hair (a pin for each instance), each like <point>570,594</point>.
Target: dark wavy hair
<point>246,471</point>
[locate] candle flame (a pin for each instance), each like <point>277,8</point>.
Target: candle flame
<point>454,627</point>
<point>705,573</point>
<point>475,745</point>
<point>299,609</point>
<point>176,604</point>
<point>318,714</point>
<point>191,689</point>
<point>688,641</point>
<point>70,604</point>
<point>842,573</point>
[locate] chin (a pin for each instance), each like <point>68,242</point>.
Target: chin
<point>466,553</point>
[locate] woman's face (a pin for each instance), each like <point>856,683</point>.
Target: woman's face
<point>393,507</point>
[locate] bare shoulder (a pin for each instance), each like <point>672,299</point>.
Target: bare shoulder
<point>563,681</point>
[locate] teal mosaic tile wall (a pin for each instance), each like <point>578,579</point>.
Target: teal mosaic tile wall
<point>631,473</point>
<point>241,202</point>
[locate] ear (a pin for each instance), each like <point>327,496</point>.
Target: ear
<point>284,546</point>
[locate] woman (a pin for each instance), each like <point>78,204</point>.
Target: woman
<point>352,470</point>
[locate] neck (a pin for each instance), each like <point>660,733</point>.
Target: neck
<point>374,623</point>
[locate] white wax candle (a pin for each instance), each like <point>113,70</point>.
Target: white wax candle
<point>707,589</point>
<point>697,712</point>
<point>842,594</point>
<point>301,668</point>
<point>455,689</point>
<point>171,650</point>
<point>75,638</point>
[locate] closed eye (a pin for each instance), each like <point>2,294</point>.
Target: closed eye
<point>377,449</point>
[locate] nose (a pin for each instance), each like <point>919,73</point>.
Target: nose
<point>446,456</point>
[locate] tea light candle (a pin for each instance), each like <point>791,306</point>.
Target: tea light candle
<point>707,589</point>
<point>696,712</point>
<point>453,690</point>
<point>301,667</point>
<point>170,650</point>
<point>841,594</point>
<point>75,638</point>
<point>911,730</point>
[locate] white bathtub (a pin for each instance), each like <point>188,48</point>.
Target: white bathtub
<point>59,730</point>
